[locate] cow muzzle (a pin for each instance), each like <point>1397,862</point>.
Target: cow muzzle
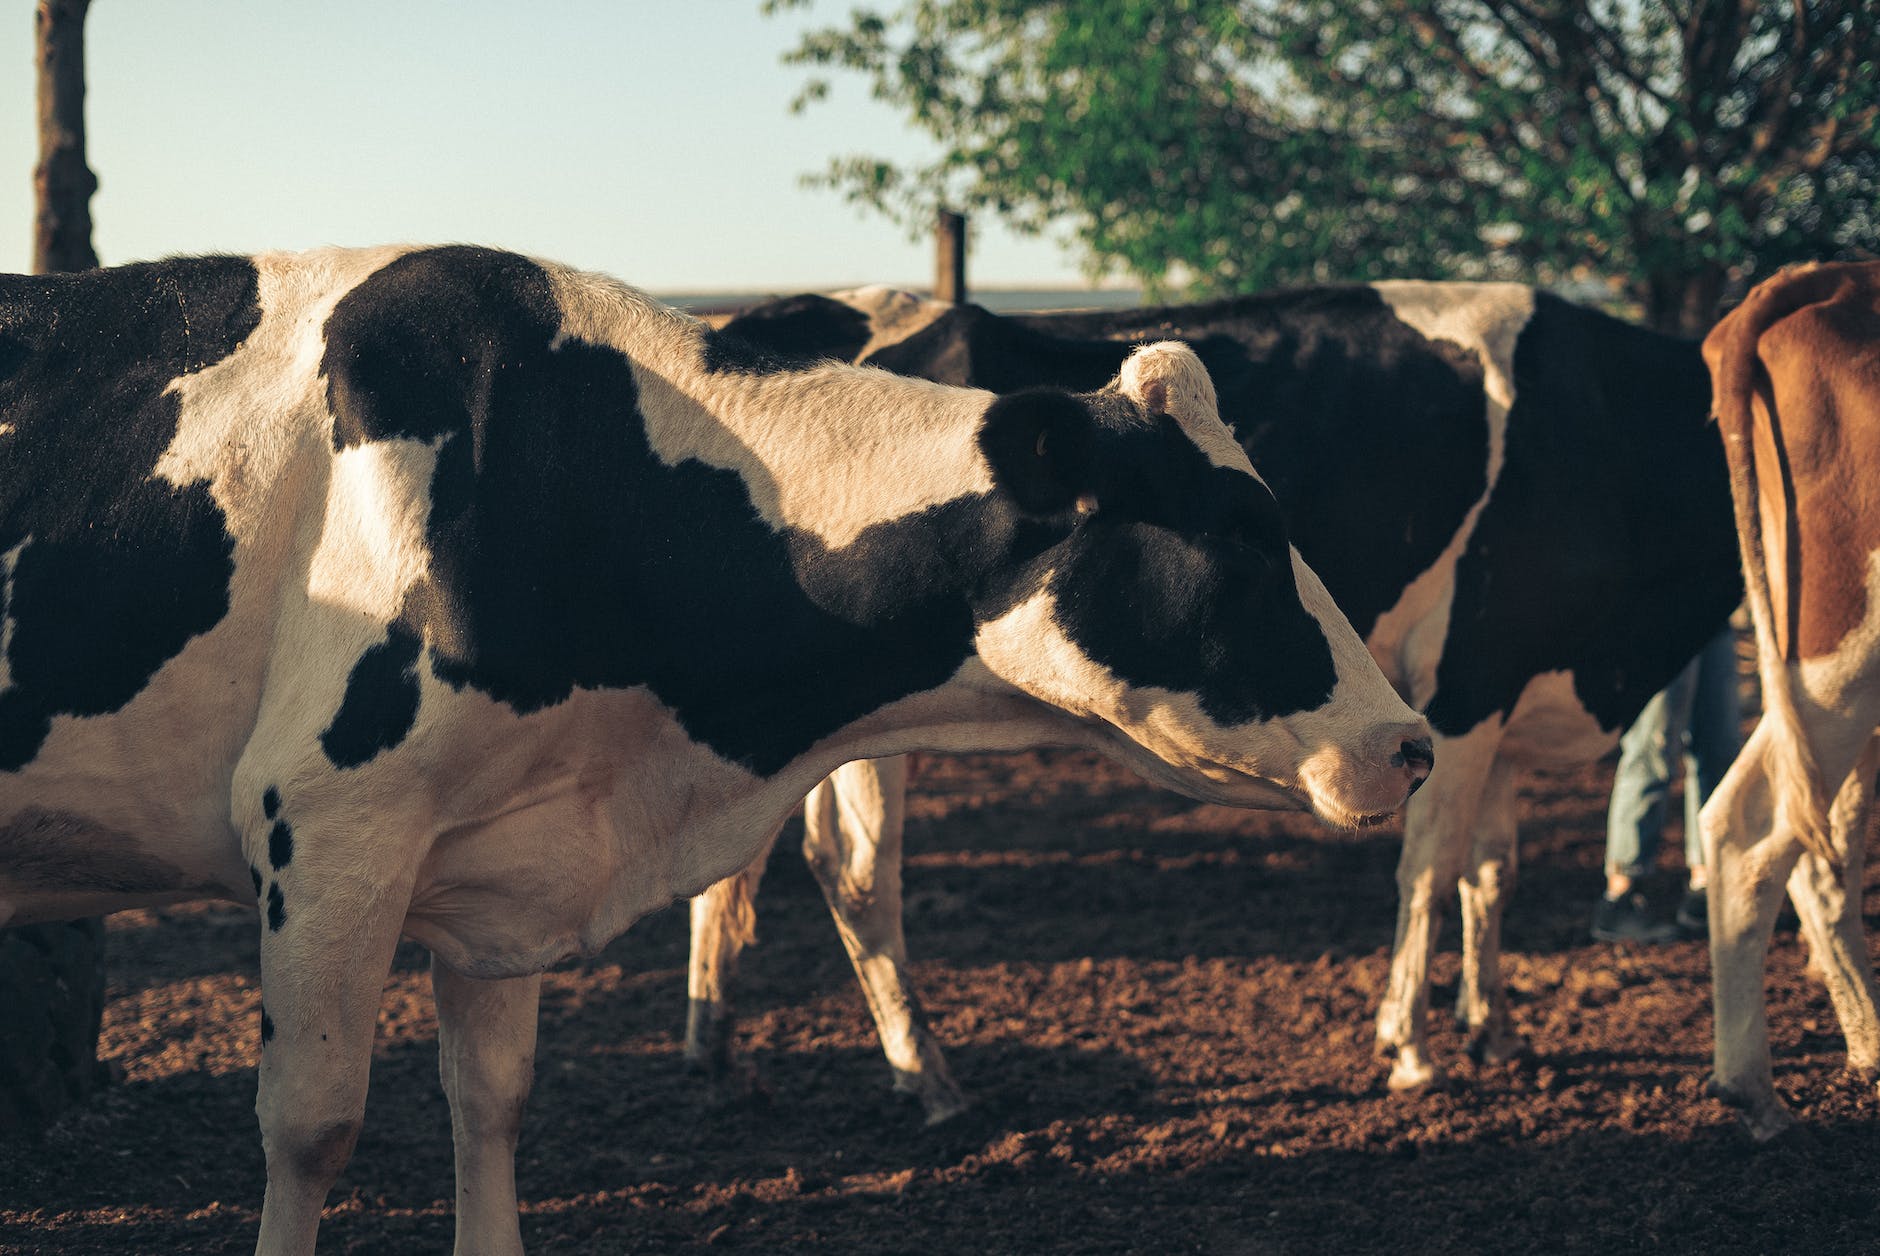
<point>1363,782</point>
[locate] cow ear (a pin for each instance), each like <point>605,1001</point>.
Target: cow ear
<point>1041,446</point>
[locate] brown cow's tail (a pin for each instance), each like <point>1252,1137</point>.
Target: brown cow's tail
<point>1737,371</point>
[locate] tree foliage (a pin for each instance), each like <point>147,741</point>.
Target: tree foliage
<point>1209,146</point>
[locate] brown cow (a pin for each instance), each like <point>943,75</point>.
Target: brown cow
<point>1796,375</point>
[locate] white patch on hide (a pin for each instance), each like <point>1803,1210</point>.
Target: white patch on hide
<point>1486,319</point>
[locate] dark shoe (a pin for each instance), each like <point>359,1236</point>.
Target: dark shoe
<point>1694,914</point>
<point>1629,919</point>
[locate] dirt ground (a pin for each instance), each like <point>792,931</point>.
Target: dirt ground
<point>1162,1010</point>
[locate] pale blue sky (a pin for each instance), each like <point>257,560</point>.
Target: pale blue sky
<point>648,139</point>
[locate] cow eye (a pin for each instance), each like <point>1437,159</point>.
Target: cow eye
<point>1246,557</point>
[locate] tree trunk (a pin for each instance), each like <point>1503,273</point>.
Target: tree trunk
<point>52,976</point>
<point>1684,302</point>
<point>62,182</point>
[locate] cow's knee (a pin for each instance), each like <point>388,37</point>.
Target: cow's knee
<point>309,1146</point>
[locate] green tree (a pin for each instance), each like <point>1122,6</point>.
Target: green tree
<point>1210,146</point>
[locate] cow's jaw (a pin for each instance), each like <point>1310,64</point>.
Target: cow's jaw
<point>1345,768</point>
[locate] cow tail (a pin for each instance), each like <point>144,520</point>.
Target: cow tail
<point>1801,803</point>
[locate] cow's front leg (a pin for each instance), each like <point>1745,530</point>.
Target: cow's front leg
<point>1748,859</point>
<point>1488,880</point>
<point>852,830</point>
<point>486,1057</point>
<point>1828,904</point>
<point>327,938</point>
<point>724,922</point>
<point>1437,826</point>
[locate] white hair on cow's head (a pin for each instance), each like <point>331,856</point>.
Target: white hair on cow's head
<point>1167,378</point>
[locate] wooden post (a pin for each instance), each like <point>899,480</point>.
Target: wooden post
<point>949,258</point>
<point>62,182</point>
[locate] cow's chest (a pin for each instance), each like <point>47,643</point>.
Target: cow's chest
<point>558,830</point>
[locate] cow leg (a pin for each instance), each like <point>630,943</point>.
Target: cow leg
<point>486,1057</point>
<point>1487,881</point>
<point>852,828</point>
<point>326,948</point>
<point>1828,905</point>
<point>1749,862</point>
<point>1752,856</point>
<point>1437,826</point>
<point>724,922</point>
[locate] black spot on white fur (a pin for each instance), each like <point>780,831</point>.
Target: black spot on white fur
<point>116,568</point>
<point>277,907</point>
<point>380,704</point>
<point>280,845</point>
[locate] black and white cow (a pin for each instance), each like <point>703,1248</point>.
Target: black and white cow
<point>1517,501</point>
<point>448,593</point>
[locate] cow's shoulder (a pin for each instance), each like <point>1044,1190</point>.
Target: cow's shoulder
<point>424,346</point>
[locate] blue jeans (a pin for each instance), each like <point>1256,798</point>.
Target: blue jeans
<point>1699,714</point>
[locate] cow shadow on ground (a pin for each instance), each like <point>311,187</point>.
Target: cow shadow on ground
<point>1018,1187</point>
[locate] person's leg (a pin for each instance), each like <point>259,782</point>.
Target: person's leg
<point>1716,734</point>
<point>1641,783</point>
<point>1635,816</point>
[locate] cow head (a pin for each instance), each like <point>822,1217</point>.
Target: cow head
<point>1151,593</point>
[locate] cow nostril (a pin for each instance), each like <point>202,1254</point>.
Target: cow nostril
<point>1416,783</point>
<point>1417,753</point>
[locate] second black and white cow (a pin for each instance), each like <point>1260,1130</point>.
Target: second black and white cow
<point>445,593</point>
<point>1517,501</point>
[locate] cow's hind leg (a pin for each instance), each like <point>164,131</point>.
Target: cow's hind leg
<point>1828,904</point>
<point>327,937</point>
<point>1749,859</point>
<point>1487,881</point>
<point>852,828</point>
<point>724,922</point>
<point>486,1057</point>
<point>1437,826</point>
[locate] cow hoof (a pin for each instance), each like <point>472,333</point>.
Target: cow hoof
<point>708,1066</point>
<point>1763,1121</point>
<point>1409,1073</point>
<point>728,1080</point>
<point>940,1099</point>
<point>1768,1125</point>
<point>941,1111</point>
<point>1497,1048</point>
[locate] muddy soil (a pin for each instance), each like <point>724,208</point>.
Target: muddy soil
<point>1161,1009</point>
